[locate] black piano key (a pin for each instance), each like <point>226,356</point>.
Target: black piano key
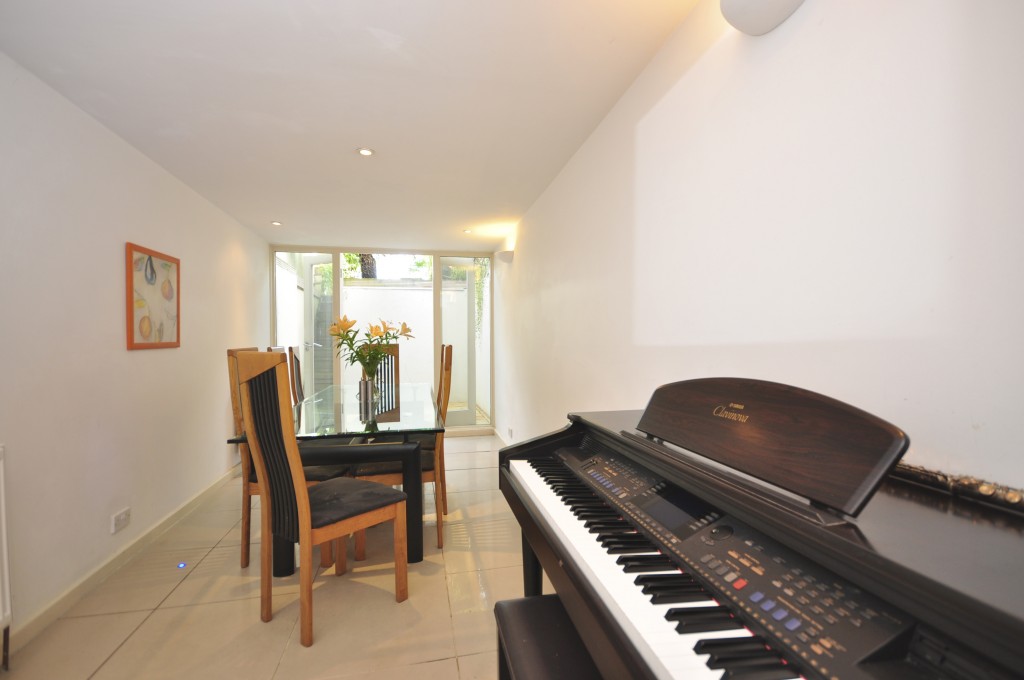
<point>682,588</point>
<point>591,505</point>
<point>713,646</point>
<point>622,530</point>
<point>702,619</point>
<point>584,513</point>
<point>586,503</point>
<point>687,627</point>
<point>676,583</point>
<point>693,613</point>
<point>642,563</point>
<point>596,526</point>
<point>664,579</point>
<point>632,543</point>
<point>617,538</point>
<point>779,672</point>
<point>764,659</point>
<point>679,597</point>
<point>627,549</point>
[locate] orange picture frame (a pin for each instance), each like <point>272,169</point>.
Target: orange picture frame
<point>152,298</point>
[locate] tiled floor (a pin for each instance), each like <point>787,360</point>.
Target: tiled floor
<point>152,619</point>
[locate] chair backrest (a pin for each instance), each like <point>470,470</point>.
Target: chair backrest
<point>270,432</point>
<point>236,410</point>
<point>298,394</point>
<point>236,403</point>
<point>444,389</point>
<point>387,382</point>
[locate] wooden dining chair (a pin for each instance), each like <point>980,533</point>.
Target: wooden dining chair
<point>444,392</point>
<point>295,373</point>
<point>308,515</point>
<point>432,452</point>
<point>387,381</point>
<point>250,482</point>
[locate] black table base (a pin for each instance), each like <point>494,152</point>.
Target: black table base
<point>322,452</point>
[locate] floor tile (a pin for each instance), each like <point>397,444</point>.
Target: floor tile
<point>73,648</point>
<point>359,628</point>
<point>200,529</point>
<point>472,596</point>
<point>220,640</point>
<point>482,544</point>
<point>445,669</point>
<point>234,536</point>
<point>151,619</point>
<point>475,632</point>
<point>469,460</point>
<point>474,505</point>
<point>480,479</point>
<point>480,590</point>
<point>227,496</point>
<point>141,584</point>
<point>461,444</point>
<point>479,666</point>
<point>219,578</point>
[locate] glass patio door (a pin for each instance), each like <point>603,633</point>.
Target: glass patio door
<point>304,302</point>
<point>465,306</point>
<point>444,299</point>
<point>396,288</point>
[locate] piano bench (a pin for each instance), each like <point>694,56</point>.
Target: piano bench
<point>538,641</point>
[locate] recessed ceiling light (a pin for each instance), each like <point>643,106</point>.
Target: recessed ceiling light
<point>467,231</point>
<point>363,151</point>
<point>276,224</point>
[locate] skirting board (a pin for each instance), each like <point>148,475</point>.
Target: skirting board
<point>24,633</point>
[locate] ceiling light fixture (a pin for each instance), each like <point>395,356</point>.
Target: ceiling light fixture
<point>467,231</point>
<point>364,151</point>
<point>275,224</point>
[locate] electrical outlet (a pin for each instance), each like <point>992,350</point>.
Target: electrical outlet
<point>119,520</point>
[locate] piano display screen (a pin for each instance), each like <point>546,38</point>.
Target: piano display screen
<point>676,510</point>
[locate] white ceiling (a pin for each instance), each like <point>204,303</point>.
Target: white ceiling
<point>472,106</point>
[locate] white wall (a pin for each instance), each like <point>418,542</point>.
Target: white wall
<point>396,304</point>
<point>89,426</point>
<point>836,205</point>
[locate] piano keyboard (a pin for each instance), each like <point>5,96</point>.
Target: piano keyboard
<point>680,630</point>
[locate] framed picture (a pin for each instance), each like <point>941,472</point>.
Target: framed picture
<point>153,286</point>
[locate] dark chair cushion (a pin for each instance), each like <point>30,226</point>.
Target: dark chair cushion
<point>392,467</point>
<point>321,473</point>
<point>344,497</point>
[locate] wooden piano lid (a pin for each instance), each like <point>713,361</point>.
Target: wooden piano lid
<point>811,445</point>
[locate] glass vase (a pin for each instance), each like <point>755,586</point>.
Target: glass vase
<point>369,403</point>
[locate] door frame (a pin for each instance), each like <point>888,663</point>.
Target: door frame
<point>336,253</point>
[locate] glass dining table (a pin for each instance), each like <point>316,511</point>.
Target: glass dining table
<point>331,429</point>
<point>335,412</point>
<point>333,416</point>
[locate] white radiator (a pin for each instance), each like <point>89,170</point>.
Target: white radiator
<point>5,565</point>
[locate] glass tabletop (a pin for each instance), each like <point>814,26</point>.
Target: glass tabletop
<point>335,411</point>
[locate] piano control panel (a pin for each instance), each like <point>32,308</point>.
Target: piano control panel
<point>827,623</point>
